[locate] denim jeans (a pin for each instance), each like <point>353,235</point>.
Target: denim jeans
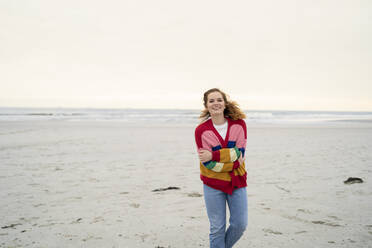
<point>215,201</point>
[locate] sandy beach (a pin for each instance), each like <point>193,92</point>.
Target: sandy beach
<point>90,184</point>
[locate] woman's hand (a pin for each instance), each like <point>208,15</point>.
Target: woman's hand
<point>241,160</point>
<point>204,155</point>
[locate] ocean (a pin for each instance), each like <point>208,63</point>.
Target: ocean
<point>187,116</point>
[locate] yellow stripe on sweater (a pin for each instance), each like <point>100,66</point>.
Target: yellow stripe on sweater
<point>224,155</point>
<point>215,175</point>
<point>240,171</point>
<point>228,155</point>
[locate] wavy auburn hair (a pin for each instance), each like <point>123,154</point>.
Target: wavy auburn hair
<point>232,109</point>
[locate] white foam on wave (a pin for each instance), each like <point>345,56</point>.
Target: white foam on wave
<point>173,115</point>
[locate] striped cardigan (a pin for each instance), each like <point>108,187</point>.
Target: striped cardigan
<point>223,172</point>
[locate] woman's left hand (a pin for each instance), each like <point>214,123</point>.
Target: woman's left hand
<point>205,155</point>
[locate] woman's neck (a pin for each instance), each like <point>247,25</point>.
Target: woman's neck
<point>218,119</point>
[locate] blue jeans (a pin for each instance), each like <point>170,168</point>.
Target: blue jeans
<point>215,201</point>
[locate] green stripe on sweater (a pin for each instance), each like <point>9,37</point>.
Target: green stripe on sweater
<point>237,152</point>
<point>211,164</point>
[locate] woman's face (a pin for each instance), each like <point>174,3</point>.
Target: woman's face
<point>215,103</point>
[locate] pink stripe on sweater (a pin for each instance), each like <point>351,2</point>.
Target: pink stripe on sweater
<point>209,140</point>
<point>235,132</point>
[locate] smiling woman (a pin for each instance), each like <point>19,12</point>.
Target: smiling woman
<point>221,140</point>
<point>216,100</point>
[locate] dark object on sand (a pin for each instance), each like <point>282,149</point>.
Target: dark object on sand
<point>10,226</point>
<point>352,180</point>
<point>164,189</point>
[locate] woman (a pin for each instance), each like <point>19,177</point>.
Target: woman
<point>221,140</point>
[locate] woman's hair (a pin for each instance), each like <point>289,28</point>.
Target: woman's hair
<point>232,109</point>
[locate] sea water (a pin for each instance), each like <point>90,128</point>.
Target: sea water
<point>188,116</point>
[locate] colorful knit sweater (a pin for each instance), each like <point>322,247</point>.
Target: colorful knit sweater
<point>223,172</point>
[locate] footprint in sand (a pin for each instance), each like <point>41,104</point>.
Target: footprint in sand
<point>90,237</point>
<point>77,221</point>
<point>334,217</point>
<point>267,230</point>
<point>143,236</point>
<point>304,211</point>
<point>134,205</point>
<point>97,219</point>
<point>325,223</point>
<point>194,194</point>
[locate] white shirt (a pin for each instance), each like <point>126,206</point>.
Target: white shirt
<point>221,129</point>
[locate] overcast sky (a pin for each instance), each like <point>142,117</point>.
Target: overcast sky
<point>266,54</point>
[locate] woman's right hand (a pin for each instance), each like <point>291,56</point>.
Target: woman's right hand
<point>204,155</point>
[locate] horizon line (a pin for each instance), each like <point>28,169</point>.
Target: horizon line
<point>194,109</point>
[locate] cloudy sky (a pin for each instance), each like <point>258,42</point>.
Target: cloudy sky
<point>267,54</point>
